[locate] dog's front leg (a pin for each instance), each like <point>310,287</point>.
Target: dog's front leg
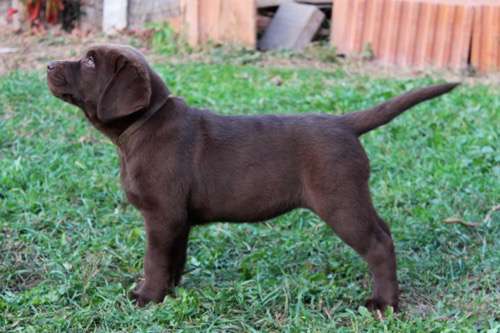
<point>165,252</point>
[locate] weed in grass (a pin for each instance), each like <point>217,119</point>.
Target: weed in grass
<point>165,41</point>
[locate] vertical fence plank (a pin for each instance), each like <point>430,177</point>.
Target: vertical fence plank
<point>442,41</point>
<point>461,39</point>
<point>391,29</point>
<point>409,29</point>
<point>238,22</point>
<point>209,20</point>
<point>219,21</point>
<point>490,39</point>
<point>356,26</point>
<point>340,24</point>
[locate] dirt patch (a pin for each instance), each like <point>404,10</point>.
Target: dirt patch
<point>28,51</point>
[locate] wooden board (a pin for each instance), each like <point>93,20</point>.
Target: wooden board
<point>189,26</point>
<point>406,50</point>
<point>392,26</point>
<point>462,34</point>
<point>218,21</point>
<point>425,38</point>
<point>238,22</point>
<point>339,34</point>
<point>485,55</point>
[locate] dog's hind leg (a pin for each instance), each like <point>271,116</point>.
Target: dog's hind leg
<point>352,216</point>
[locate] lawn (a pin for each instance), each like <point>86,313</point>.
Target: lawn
<point>71,247</point>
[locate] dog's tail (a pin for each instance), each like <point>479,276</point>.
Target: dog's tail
<point>367,120</point>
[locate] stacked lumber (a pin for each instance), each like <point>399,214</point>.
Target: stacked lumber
<point>420,33</point>
<point>219,21</point>
<point>291,26</point>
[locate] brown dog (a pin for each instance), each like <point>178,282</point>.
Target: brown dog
<point>182,166</point>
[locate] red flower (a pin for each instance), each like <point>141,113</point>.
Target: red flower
<point>10,13</point>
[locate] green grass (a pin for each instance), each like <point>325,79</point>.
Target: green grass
<point>71,247</point>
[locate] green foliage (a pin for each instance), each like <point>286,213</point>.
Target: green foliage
<point>323,51</point>
<point>368,53</point>
<point>165,41</point>
<point>232,54</point>
<point>71,248</point>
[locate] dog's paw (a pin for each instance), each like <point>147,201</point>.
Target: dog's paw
<point>374,304</point>
<point>142,295</point>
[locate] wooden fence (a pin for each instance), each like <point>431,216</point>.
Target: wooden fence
<point>421,33</point>
<point>417,33</point>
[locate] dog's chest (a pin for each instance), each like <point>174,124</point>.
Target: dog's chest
<point>145,180</point>
<point>130,184</point>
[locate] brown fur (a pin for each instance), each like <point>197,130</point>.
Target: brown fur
<point>182,166</point>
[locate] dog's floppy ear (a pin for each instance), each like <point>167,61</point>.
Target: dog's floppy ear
<point>128,90</point>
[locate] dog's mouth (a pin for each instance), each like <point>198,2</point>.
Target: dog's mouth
<point>57,80</point>
<point>60,93</point>
<point>63,94</point>
<point>59,86</point>
<point>71,99</point>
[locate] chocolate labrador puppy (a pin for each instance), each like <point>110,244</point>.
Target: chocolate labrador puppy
<point>182,166</point>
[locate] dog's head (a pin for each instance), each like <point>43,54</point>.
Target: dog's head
<point>110,82</point>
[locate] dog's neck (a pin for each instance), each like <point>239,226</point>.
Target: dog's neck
<point>138,123</point>
<point>120,130</point>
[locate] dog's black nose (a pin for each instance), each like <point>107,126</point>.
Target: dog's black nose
<point>51,65</point>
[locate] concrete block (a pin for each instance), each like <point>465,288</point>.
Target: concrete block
<point>293,27</point>
<point>270,3</point>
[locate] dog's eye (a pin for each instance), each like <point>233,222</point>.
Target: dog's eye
<point>89,62</point>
